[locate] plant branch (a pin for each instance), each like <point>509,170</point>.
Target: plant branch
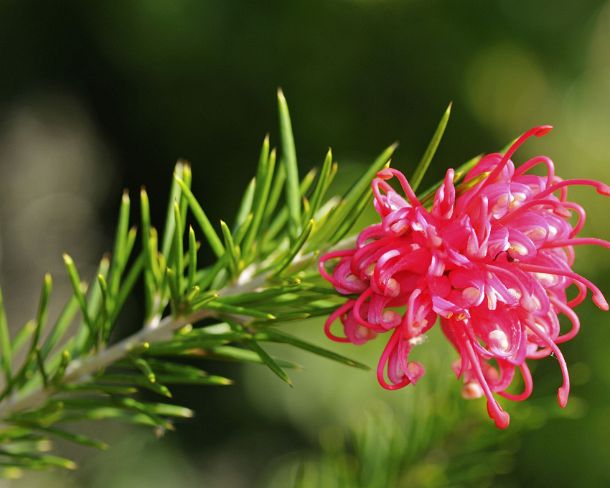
<point>79,370</point>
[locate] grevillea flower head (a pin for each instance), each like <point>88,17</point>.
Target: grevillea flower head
<point>493,263</point>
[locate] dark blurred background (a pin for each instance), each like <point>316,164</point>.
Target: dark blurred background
<point>98,96</point>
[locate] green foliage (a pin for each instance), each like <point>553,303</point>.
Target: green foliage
<point>59,372</point>
<point>263,276</point>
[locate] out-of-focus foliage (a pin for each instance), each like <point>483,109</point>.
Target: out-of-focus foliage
<point>109,95</point>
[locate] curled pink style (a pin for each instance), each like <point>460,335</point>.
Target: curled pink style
<point>492,263</point>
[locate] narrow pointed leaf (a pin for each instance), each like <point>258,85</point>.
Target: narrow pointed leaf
<point>239,354</point>
<point>274,335</point>
<point>242,229</point>
<point>78,293</point>
<point>43,308</point>
<point>121,253</point>
<point>76,438</point>
<point>276,190</point>
<point>178,251</point>
<point>174,196</point>
<point>202,219</point>
<point>230,248</point>
<point>295,248</point>
<point>127,287</point>
<point>237,310</point>
<point>246,204</point>
<point>352,199</point>
<point>321,184</point>
<point>264,178</point>
<point>192,267</point>
<point>269,361</point>
<point>289,161</point>
<point>5,342</point>
<point>424,163</point>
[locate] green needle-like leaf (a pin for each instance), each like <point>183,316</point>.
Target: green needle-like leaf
<point>76,438</point>
<point>230,249</point>
<point>273,335</point>
<point>22,335</point>
<point>264,178</point>
<point>104,326</point>
<point>61,326</point>
<point>359,189</point>
<point>187,178</point>
<point>166,367</point>
<point>43,308</point>
<point>41,368</point>
<point>174,196</point>
<point>352,200</point>
<point>202,220</point>
<point>350,221</point>
<point>237,310</point>
<point>322,184</point>
<point>121,253</point>
<point>269,361</point>
<point>289,161</point>
<point>260,297</point>
<point>94,387</point>
<point>173,290</point>
<point>78,292</point>
<point>145,216</point>
<point>211,379</point>
<point>145,368</point>
<point>168,410</point>
<point>424,163</point>
<point>127,287</point>
<point>178,251</point>
<point>231,353</point>
<point>295,248</point>
<point>61,368</point>
<point>275,192</point>
<point>192,267</point>
<point>246,204</point>
<point>42,461</point>
<point>150,277</point>
<point>282,216</point>
<point>5,342</point>
<point>103,413</point>
<point>97,304</point>
<point>149,381</point>
<point>242,229</point>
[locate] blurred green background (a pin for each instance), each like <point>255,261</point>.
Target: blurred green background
<point>97,96</point>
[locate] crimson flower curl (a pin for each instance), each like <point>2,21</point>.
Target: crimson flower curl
<point>493,263</point>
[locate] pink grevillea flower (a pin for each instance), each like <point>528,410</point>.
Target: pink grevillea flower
<point>492,262</point>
